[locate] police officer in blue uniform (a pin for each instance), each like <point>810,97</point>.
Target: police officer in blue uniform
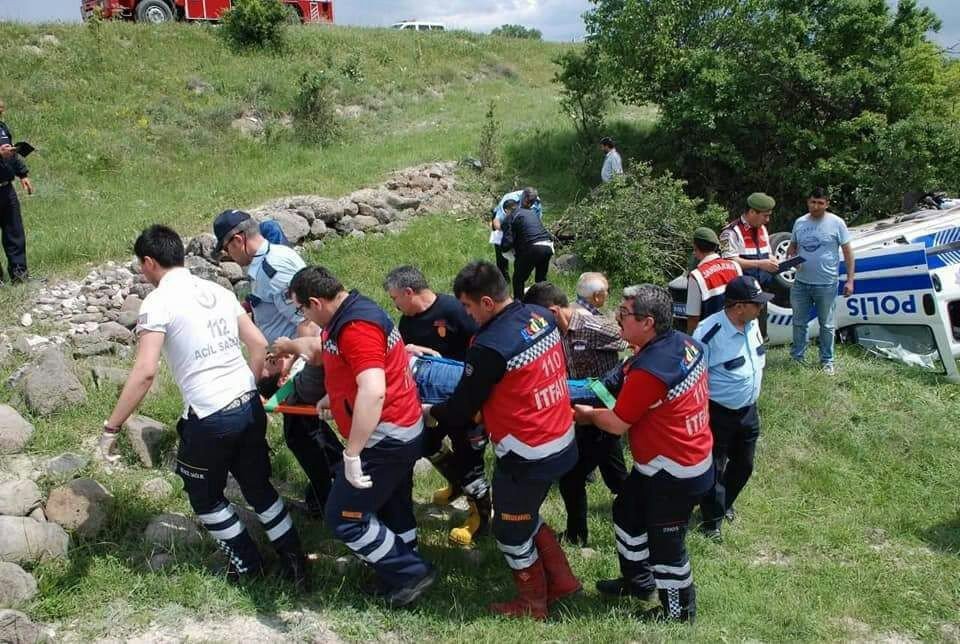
<point>736,359</point>
<point>270,268</point>
<point>12,166</point>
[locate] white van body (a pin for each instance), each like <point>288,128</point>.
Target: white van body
<point>418,25</point>
<point>906,300</point>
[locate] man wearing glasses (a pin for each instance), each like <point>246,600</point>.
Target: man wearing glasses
<point>270,268</point>
<point>736,357</point>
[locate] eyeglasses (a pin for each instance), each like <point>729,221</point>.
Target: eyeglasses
<point>301,307</point>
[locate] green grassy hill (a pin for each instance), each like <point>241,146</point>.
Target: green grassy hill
<point>849,531</point>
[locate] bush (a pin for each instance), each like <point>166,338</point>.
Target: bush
<point>517,31</point>
<point>255,24</point>
<point>315,111</point>
<point>638,227</point>
<point>488,152</point>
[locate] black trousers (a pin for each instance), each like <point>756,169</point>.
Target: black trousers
<point>502,262</point>
<point>735,434</point>
<point>233,441</point>
<point>11,229</point>
<point>467,457</point>
<point>535,258</point>
<point>597,448</point>
<point>318,450</point>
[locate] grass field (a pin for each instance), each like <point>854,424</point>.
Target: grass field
<point>849,530</point>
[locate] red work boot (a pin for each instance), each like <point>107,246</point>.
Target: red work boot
<point>531,599</point>
<point>561,581</point>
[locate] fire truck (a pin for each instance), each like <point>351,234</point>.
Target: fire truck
<point>158,11</point>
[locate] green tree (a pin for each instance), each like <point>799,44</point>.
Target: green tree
<point>517,31</point>
<point>781,95</point>
<point>255,24</point>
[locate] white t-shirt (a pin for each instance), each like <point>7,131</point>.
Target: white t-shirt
<point>202,342</point>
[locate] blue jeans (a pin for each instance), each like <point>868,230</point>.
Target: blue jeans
<point>803,298</point>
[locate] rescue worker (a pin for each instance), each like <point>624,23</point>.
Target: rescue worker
<point>12,166</point>
<point>432,324</point>
<point>663,408</point>
<point>270,268</point>
<point>374,402</point>
<point>515,373</point>
<point>532,244</point>
<point>707,282</point>
<point>592,346</point>
<point>200,327</point>
<point>612,163</point>
<point>735,359</point>
<point>593,289</point>
<point>745,241</point>
<point>500,214</point>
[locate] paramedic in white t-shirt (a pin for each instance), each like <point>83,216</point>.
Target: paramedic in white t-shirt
<point>200,326</point>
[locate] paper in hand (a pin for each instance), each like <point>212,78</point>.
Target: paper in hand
<point>23,148</point>
<point>496,236</point>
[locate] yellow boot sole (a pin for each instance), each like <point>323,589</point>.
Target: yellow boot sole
<point>443,496</point>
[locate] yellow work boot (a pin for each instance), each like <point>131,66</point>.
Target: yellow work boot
<point>476,524</point>
<point>444,496</point>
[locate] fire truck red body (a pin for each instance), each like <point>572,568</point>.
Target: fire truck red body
<point>157,11</point>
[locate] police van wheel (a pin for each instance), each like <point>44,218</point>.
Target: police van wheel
<point>154,12</point>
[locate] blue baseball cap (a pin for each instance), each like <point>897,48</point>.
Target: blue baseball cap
<point>746,288</point>
<point>225,225</point>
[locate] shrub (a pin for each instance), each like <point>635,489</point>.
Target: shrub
<point>255,24</point>
<point>315,112</point>
<point>352,68</point>
<point>638,227</point>
<point>517,31</point>
<point>488,150</point>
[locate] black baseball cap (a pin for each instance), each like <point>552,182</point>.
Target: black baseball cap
<point>225,225</point>
<point>746,289</point>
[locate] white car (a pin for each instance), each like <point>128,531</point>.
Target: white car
<point>417,25</point>
<point>906,301</point>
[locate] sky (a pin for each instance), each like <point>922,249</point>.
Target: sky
<point>557,19</point>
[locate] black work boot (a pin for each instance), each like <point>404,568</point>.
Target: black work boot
<point>676,605</point>
<point>620,587</point>
<point>293,568</point>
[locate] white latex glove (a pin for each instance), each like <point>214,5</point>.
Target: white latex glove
<point>323,409</point>
<point>353,470</point>
<point>107,445</point>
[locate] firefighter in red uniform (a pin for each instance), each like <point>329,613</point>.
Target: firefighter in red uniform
<point>515,373</point>
<point>708,281</point>
<point>663,407</point>
<point>373,399</point>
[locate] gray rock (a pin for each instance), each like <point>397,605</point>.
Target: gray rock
<point>50,384</point>
<point>198,86</point>
<point>232,271</point>
<point>37,514</point>
<point>357,234</point>
<point>24,540</point>
<point>203,245</point>
<point>422,466</point>
<point>16,628</point>
<point>30,344</point>
<point>370,196</point>
<point>395,227</point>
<point>201,267</point>
<point>170,530</point>
<point>160,561</point>
<point>156,489</point>
<point>131,303</point>
<point>26,319</point>
<point>345,225</point>
<point>82,505</point>
<point>566,263</point>
<point>329,211</point>
<point>82,318</point>
<point>294,227</point>
<point>399,202</point>
<point>366,209</point>
<point>318,228</point>
<point>127,319</point>
<point>306,212</point>
<point>65,464</point>
<point>14,430</point>
<point>23,466</point>
<point>115,332</point>
<point>146,437</point>
<point>385,215</point>
<point>100,348</point>
<point>248,125</point>
<point>365,223</point>
<point>109,377</point>
<point>17,586</point>
<point>19,498</point>
<point>142,290</point>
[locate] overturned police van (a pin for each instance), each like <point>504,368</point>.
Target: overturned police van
<point>906,302</point>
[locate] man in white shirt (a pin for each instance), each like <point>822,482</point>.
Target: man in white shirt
<point>200,327</point>
<point>612,163</point>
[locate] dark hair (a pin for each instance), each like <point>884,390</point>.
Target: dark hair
<point>161,243</point>
<point>654,301</point>
<point>479,279</point>
<point>314,281</point>
<point>546,295</point>
<point>510,204</point>
<point>608,142</point>
<point>819,193</point>
<point>529,197</point>
<point>705,246</point>
<point>406,277</point>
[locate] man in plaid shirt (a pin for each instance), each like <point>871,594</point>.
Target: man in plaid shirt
<point>592,344</point>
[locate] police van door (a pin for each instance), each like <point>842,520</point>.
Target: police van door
<point>893,311</point>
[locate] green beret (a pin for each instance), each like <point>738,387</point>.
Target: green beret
<point>761,201</point>
<point>705,234</point>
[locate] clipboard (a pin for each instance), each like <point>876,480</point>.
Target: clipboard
<point>791,263</point>
<point>23,148</point>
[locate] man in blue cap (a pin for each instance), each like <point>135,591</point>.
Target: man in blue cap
<point>270,268</point>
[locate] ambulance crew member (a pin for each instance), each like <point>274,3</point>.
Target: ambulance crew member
<point>735,358</point>
<point>270,268</point>
<point>374,401</point>
<point>663,410</point>
<point>516,374</point>
<point>708,281</point>
<point>433,324</point>
<point>200,326</point>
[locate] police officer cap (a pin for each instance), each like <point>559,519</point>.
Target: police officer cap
<point>761,201</point>
<point>707,235</point>
<point>530,195</point>
<point>746,288</point>
<point>225,224</point>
